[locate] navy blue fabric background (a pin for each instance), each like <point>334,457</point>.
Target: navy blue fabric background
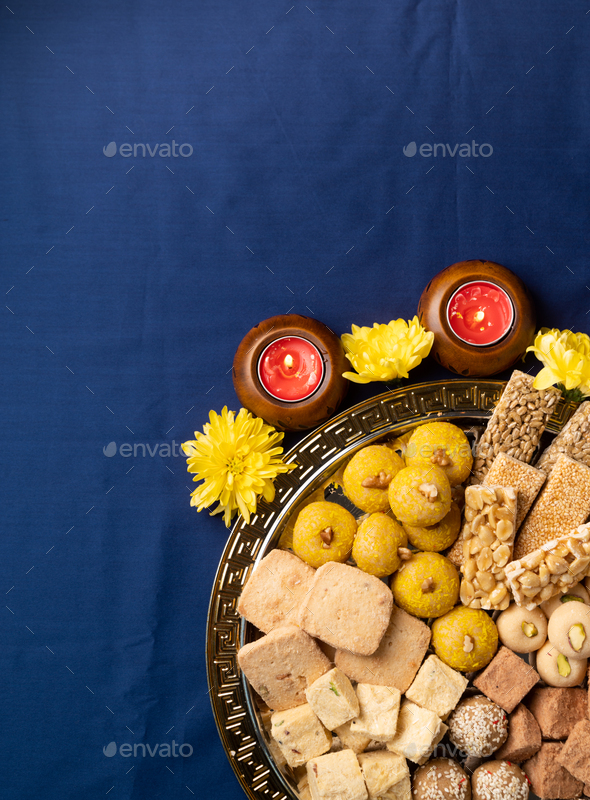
<point>129,282</point>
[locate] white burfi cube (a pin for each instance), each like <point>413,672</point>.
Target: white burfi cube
<point>303,789</point>
<point>299,734</point>
<point>357,742</point>
<point>333,699</point>
<point>400,791</point>
<point>437,687</point>
<point>382,770</point>
<point>336,776</point>
<point>275,750</point>
<point>379,708</point>
<point>418,732</point>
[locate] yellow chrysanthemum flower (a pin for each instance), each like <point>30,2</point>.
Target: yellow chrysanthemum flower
<point>386,352</point>
<point>237,459</point>
<point>566,359</point>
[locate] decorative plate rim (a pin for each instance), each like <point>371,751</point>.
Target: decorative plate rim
<point>231,698</point>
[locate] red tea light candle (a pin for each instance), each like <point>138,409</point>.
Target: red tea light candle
<point>482,317</point>
<point>288,371</point>
<point>480,313</point>
<point>291,369</point>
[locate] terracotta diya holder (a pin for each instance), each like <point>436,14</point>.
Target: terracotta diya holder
<point>482,317</point>
<point>288,371</point>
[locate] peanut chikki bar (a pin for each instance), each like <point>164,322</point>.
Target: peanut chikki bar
<point>551,569</point>
<point>563,504</point>
<point>527,480</point>
<point>516,425</point>
<point>488,536</point>
<point>573,441</point>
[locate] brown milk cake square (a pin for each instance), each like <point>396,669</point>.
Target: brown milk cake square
<point>274,591</point>
<point>524,737</point>
<point>549,780</point>
<point>347,608</point>
<point>558,710</point>
<point>506,679</point>
<point>575,756</point>
<point>398,657</point>
<point>281,665</point>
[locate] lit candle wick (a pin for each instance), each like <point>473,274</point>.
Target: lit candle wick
<point>288,362</point>
<point>479,316</point>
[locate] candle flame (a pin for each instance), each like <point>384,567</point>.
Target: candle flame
<point>288,362</point>
<point>479,316</point>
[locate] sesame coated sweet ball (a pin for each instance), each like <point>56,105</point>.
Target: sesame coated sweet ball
<point>444,445</point>
<point>441,779</point>
<point>420,495</point>
<point>426,585</point>
<point>323,532</point>
<point>436,537</point>
<point>367,477</point>
<point>465,638</point>
<point>478,726</point>
<point>499,780</point>
<point>375,548</point>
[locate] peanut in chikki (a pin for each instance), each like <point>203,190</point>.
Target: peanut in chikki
<point>527,480</point>
<point>551,569</point>
<point>516,425</point>
<point>573,441</point>
<point>488,536</point>
<point>563,504</point>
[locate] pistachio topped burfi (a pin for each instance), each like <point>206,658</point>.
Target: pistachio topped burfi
<point>333,699</point>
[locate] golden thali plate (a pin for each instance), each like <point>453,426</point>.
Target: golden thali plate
<point>319,455</point>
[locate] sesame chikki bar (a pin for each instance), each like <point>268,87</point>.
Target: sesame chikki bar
<point>527,480</point>
<point>488,536</point>
<point>573,441</point>
<point>550,569</point>
<point>563,504</point>
<point>516,425</point>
